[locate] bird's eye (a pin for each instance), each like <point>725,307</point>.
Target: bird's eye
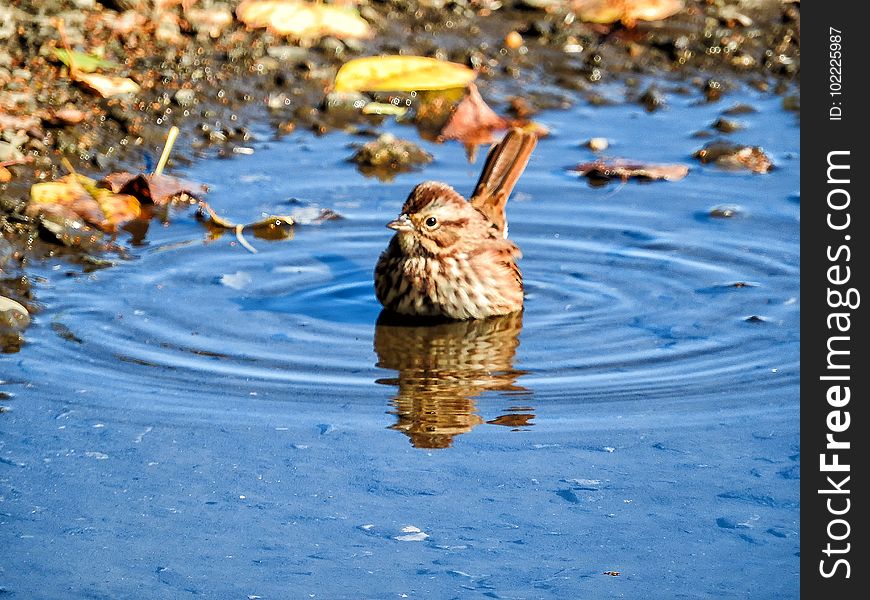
<point>431,222</point>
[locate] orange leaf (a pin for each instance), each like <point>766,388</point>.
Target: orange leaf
<point>152,189</point>
<point>77,197</point>
<point>473,121</point>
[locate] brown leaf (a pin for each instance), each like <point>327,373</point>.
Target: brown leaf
<point>77,197</point>
<point>152,189</point>
<point>264,226</point>
<point>272,227</point>
<point>473,121</point>
<point>626,169</point>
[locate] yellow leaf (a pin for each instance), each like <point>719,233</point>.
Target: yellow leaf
<point>118,208</point>
<point>401,74</point>
<point>303,20</point>
<point>107,86</point>
<point>49,192</point>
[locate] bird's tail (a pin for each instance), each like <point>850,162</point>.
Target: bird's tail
<point>504,165</point>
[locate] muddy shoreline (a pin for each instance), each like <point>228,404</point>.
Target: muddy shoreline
<point>201,69</point>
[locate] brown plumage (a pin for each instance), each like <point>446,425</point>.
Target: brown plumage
<point>450,257</point>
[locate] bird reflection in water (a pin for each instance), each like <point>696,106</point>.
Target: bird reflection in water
<point>442,367</point>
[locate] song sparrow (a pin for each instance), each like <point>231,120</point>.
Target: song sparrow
<point>449,256</point>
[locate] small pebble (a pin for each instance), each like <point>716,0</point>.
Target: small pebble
<point>185,97</point>
<point>13,316</point>
<point>513,40</point>
<point>724,212</point>
<point>598,144</point>
<point>727,125</point>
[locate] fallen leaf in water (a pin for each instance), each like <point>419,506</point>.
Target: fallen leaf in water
<point>303,20</point>
<point>153,189</point>
<point>107,86</point>
<point>401,74</point>
<point>82,62</point>
<point>735,156</point>
<point>626,169</point>
<point>273,227</point>
<point>75,197</point>
<point>474,122</point>
<point>627,11</point>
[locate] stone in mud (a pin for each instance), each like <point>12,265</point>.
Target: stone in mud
<point>652,99</point>
<point>598,144</point>
<point>727,125</point>
<point>792,102</point>
<point>185,97</point>
<point>735,157</point>
<point>9,151</point>
<point>713,90</point>
<point>13,316</point>
<point>724,211</point>
<point>288,54</point>
<point>739,109</point>
<point>388,155</point>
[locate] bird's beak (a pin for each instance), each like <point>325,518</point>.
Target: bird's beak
<point>403,223</point>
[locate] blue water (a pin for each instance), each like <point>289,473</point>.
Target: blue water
<point>226,424</point>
